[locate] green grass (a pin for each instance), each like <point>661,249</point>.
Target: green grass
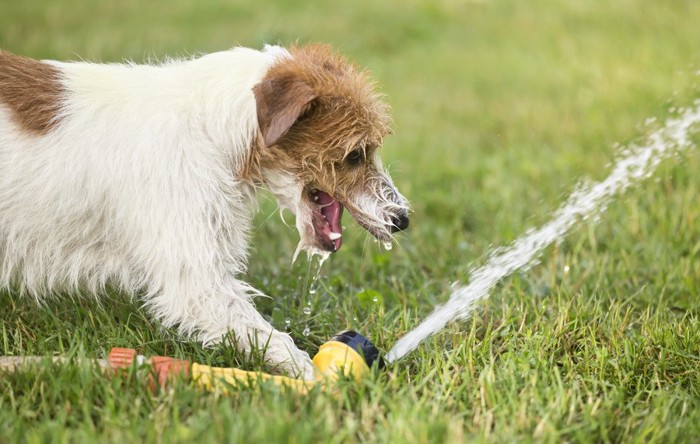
<point>499,107</point>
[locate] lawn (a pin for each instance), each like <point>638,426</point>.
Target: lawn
<point>500,107</point>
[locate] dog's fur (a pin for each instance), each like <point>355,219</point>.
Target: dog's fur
<point>144,176</point>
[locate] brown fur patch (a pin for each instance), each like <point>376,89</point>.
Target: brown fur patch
<point>32,91</point>
<point>339,112</point>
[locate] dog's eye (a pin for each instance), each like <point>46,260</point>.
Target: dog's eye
<point>355,157</point>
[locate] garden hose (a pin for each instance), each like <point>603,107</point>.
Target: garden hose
<point>348,353</point>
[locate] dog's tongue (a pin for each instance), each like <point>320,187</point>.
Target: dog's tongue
<point>332,210</point>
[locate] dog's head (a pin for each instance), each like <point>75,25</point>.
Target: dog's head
<point>321,125</point>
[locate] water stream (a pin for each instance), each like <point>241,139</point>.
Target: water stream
<point>635,163</point>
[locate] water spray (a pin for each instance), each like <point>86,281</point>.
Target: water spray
<point>635,163</point>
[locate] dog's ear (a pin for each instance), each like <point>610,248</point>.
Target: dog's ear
<point>280,101</point>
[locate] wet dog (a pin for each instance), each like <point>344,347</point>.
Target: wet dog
<point>144,177</point>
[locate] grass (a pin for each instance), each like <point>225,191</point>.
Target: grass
<point>499,107</point>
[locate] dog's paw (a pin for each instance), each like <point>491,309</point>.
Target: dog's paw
<point>283,356</point>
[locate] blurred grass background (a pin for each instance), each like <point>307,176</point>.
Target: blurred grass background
<point>500,106</point>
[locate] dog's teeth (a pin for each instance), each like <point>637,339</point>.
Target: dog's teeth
<point>334,236</point>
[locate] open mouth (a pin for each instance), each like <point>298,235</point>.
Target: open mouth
<point>326,220</point>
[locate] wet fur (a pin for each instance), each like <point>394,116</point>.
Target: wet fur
<point>339,111</point>
<point>144,177</point>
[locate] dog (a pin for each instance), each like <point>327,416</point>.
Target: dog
<point>144,178</point>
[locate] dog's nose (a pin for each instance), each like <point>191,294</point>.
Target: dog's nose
<point>399,222</point>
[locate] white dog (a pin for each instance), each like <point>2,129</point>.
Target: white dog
<point>144,177</point>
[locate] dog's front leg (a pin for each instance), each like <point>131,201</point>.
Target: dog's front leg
<point>230,309</point>
<point>252,332</point>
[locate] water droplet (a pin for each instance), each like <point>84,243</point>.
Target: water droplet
<point>307,310</point>
<point>307,331</point>
<point>321,261</point>
<point>388,245</point>
<point>463,245</point>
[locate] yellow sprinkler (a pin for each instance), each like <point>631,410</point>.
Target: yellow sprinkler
<point>347,353</point>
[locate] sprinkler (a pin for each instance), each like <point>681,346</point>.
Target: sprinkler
<point>347,353</point>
